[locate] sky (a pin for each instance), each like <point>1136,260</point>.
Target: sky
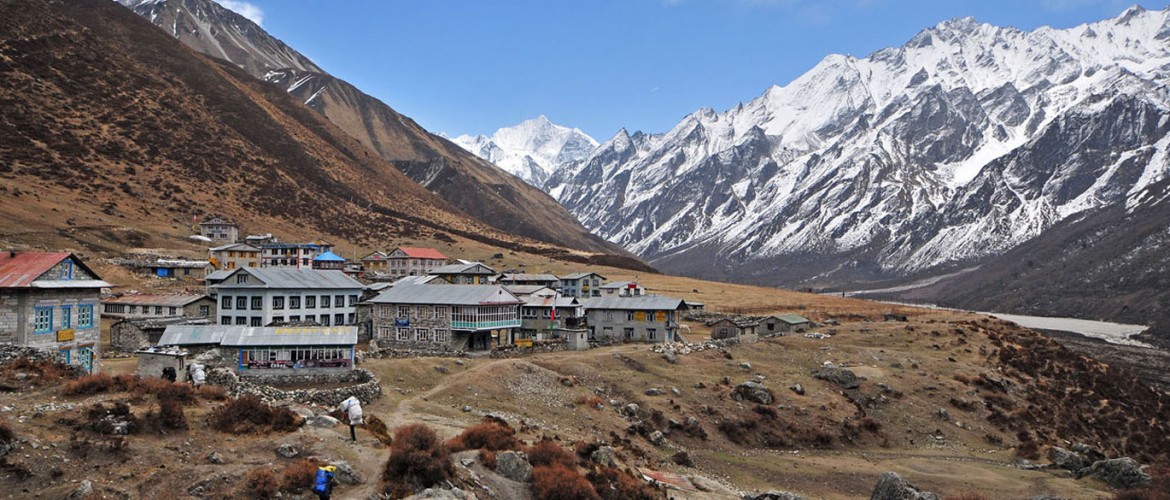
<point>472,66</point>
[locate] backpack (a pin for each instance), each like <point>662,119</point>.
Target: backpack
<point>323,483</point>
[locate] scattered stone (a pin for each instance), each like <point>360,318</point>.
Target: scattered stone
<point>745,365</point>
<point>514,465</point>
<point>1092,454</point>
<point>891,486</point>
<point>725,380</point>
<point>798,389</point>
<point>754,392</point>
<point>346,474</point>
<point>85,490</point>
<point>459,362</point>
<point>305,413</point>
<point>466,409</point>
<point>670,357</point>
<point>943,414</point>
<point>773,495</point>
<point>603,456</point>
<point>700,385</point>
<point>441,494</point>
<point>630,410</point>
<point>675,391</point>
<point>215,458</point>
<point>322,421</point>
<point>442,369</point>
<point>657,438</point>
<point>682,458</point>
<point>467,461</point>
<point>653,391</point>
<point>287,451</point>
<point>1068,460</point>
<point>840,376</point>
<point>1120,473</point>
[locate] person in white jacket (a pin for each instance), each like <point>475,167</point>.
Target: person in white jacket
<point>352,409</point>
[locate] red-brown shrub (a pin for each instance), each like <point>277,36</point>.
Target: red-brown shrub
<point>557,482</point>
<point>299,475</point>
<point>89,384</point>
<point>488,458</point>
<point>379,430</point>
<point>212,393</point>
<point>42,371</point>
<point>6,434</point>
<point>249,415</point>
<point>1158,489</point>
<point>418,460</point>
<point>612,483</point>
<point>170,414</point>
<point>489,435</point>
<point>548,452</point>
<point>262,483</point>
<point>594,402</point>
<point>967,496</point>
<point>165,389</point>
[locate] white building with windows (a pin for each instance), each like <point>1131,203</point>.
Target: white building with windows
<point>445,317</point>
<point>252,296</point>
<point>644,318</point>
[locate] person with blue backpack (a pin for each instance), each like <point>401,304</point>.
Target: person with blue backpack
<point>324,481</point>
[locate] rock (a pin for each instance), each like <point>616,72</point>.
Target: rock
<point>840,376</point>
<point>466,409</point>
<point>287,451</point>
<point>459,362</point>
<point>675,391</point>
<point>725,380</point>
<point>700,385</point>
<point>798,389</point>
<point>1120,473</point>
<point>346,474</point>
<point>215,458</point>
<point>442,369</point>
<point>441,494</point>
<point>603,456</point>
<point>891,486</point>
<point>630,410</point>
<point>773,495</point>
<point>1092,454</point>
<point>745,365</point>
<point>514,465</point>
<point>682,458</point>
<point>670,357</point>
<point>1068,460</point>
<point>657,438</point>
<point>322,421</point>
<point>305,413</point>
<point>85,490</point>
<point>653,391</point>
<point>754,392</point>
<point>943,414</point>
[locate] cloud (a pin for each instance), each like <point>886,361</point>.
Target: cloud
<point>250,11</point>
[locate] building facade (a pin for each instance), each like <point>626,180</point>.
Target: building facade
<point>158,306</point>
<point>645,318</point>
<point>546,280</point>
<point>471,273</point>
<point>329,261</point>
<point>445,317</point>
<point>582,285</point>
<point>260,296</point>
<point>727,328</point>
<point>622,289</point>
<point>375,263</point>
<point>234,256</point>
<point>273,350</point>
<point>131,334</point>
<point>414,261</point>
<point>49,301</point>
<point>219,230</point>
<point>292,255</point>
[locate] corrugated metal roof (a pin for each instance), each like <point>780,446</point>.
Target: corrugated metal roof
<point>422,253</point>
<point>527,289</point>
<point>290,336</point>
<point>238,247</point>
<point>577,276</point>
<point>547,301</point>
<point>638,303</point>
<point>193,334</point>
<point>528,277</point>
<point>220,275</point>
<point>792,319</point>
<point>70,284</point>
<point>467,268</point>
<point>454,295</point>
<point>166,321</point>
<point>21,270</point>
<point>189,264</point>
<point>293,279</point>
<point>619,284</point>
<point>174,300</point>
<point>329,257</point>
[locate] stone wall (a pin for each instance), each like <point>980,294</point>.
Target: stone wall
<point>366,386</point>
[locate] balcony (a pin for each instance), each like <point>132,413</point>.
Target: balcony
<point>485,325</point>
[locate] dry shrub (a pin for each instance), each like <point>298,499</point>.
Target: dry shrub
<point>6,434</point>
<point>488,458</point>
<point>107,420</point>
<point>1028,447</point>
<point>42,371</point>
<point>585,449</point>
<point>490,434</point>
<point>212,392</point>
<point>249,415</point>
<point>299,475</point>
<point>594,402</point>
<point>170,414</point>
<point>612,483</point>
<point>89,384</point>
<point>262,483</point>
<point>379,430</point>
<point>557,482</point>
<point>547,452</point>
<point>418,460</point>
<point>967,496</point>
<point>165,389</point>
<point>1158,489</point>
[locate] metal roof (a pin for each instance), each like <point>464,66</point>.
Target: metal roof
<point>527,289</point>
<point>330,257</point>
<point>193,334</point>
<point>528,277</point>
<point>422,253</point>
<point>455,295</point>
<point>619,284</point>
<point>792,319</point>
<point>219,275</point>
<point>577,276</point>
<point>283,278</point>
<point>468,268</point>
<point>191,264</point>
<point>236,247</point>
<point>23,269</point>
<point>177,300</point>
<point>418,280</point>
<point>145,323</point>
<point>290,336</point>
<point>547,301</point>
<point>637,303</point>
<point>377,255</point>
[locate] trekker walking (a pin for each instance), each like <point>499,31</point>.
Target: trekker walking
<point>323,482</point>
<point>351,409</point>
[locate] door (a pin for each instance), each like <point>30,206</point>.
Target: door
<point>85,359</point>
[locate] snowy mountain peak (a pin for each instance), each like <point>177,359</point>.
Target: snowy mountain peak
<point>531,149</point>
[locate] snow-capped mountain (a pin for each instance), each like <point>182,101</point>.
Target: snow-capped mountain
<point>531,150</point>
<point>961,144</point>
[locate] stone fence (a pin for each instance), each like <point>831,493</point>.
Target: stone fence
<point>366,386</point>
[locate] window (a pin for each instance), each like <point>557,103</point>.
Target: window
<point>174,311</point>
<point>325,301</point>
<point>628,334</point>
<point>324,320</point>
<point>43,320</point>
<point>133,309</point>
<point>241,320</point>
<point>403,334</point>
<point>66,316</point>
<point>339,301</point>
<point>225,320</point>
<point>256,321</point>
<point>294,319</point>
<point>420,334</point>
<point>278,319</point>
<point>609,315</point>
<point>158,310</point>
<point>85,316</point>
<point>257,303</point>
<point>242,279</point>
<point>403,311</point>
<point>278,302</point>
<point>441,312</point>
<point>352,300</point>
<point>242,303</point>
<point>115,308</point>
<point>204,310</point>
<point>651,333</point>
<point>339,319</point>
<point>424,312</point>
<point>441,336</point>
<point>294,302</point>
<point>310,302</point>
<point>352,318</point>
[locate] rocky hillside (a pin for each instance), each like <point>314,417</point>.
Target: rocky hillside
<point>470,183</point>
<point>963,143</point>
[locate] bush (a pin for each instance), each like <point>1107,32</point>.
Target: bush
<point>378,429</point>
<point>165,389</point>
<point>212,392</point>
<point>557,482</point>
<point>299,475</point>
<point>488,458</point>
<point>547,452</point>
<point>489,435</point>
<point>594,402</point>
<point>6,434</point>
<point>249,415</point>
<point>89,384</point>
<point>611,483</point>
<point>42,370</point>
<point>170,414</point>
<point>418,460</point>
<point>262,483</point>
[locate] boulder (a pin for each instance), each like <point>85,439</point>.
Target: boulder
<point>675,391</point>
<point>772,495</point>
<point>754,392</point>
<point>657,438</point>
<point>840,376</point>
<point>1120,473</point>
<point>287,450</point>
<point>442,494</point>
<point>943,414</point>
<point>322,421</point>
<point>745,365</point>
<point>85,490</point>
<point>514,465</point>
<point>631,410</point>
<point>683,458</point>
<point>603,456</point>
<point>670,357</point>
<point>798,389</point>
<point>215,458</point>
<point>346,474</point>
<point>891,486</point>
<point>1068,460</point>
<point>653,391</point>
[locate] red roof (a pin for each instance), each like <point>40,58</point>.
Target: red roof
<point>422,253</point>
<point>21,270</point>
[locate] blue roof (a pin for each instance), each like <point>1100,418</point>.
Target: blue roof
<point>330,257</point>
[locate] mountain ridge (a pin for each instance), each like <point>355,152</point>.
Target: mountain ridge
<point>531,150</point>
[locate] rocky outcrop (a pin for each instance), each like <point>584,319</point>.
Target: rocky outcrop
<point>366,386</point>
<point>840,376</point>
<point>891,486</point>
<point>1118,473</point>
<point>514,465</point>
<point>754,392</point>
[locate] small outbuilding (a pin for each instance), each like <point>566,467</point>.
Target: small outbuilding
<point>784,323</point>
<point>740,329</point>
<point>291,350</point>
<point>131,334</point>
<point>152,361</point>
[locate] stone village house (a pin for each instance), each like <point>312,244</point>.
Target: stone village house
<point>466,273</point>
<point>740,329</point>
<point>271,350</point>
<point>49,300</point>
<point>234,255</point>
<point>414,261</point>
<point>643,318</point>
<point>260,296</point>
<point>158,306</point>
<point>439,317</point>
